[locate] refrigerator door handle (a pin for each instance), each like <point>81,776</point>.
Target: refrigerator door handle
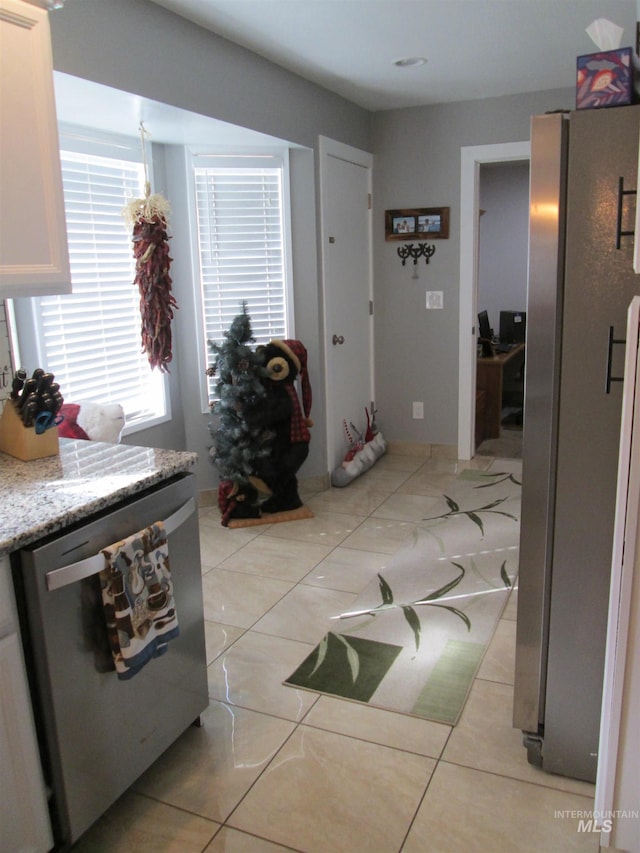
<point>74,572</point>
<point>621,194</point>
<point>611,378</point>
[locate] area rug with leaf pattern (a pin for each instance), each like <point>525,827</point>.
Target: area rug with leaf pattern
<point>415,638</point>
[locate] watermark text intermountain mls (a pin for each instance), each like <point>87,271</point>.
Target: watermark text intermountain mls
<point>596,821</point>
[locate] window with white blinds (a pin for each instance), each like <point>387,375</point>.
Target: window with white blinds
<point>241,215</point>
<point>90,339</point>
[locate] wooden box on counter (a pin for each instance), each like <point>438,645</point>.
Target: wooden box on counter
<point>22,442</point>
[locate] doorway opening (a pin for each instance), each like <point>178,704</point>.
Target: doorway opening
<point>502,294</point>
<point>472,158</point>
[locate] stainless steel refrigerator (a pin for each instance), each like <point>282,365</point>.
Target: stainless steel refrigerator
<point>581,280</point>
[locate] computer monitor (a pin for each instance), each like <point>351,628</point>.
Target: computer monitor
<point>484,327</point>
<point>512,327</point>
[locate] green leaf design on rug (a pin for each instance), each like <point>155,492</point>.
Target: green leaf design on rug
<point>488,581</point>
<point>321,656</point>
<point>496,477</point>
<point>472,514</point>
<point>504,478</point>
<point>412,618</point>
<point>385,590</point>
<point>443,590</point>
<point>408,609</point>
<point>453,506</point>
<point>339,674</point>
<point>394,653</point>
<point>456,612</point>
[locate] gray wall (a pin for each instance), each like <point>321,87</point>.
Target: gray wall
<point>140,47</point>
<point>504,239</point>
<point>417,164</point>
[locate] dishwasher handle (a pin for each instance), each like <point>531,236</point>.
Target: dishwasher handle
<point>74,572</point>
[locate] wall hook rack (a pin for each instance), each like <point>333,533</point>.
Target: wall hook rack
<point>416,251</point>
<point>621,196</point>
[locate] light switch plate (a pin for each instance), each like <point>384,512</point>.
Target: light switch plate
<point>434,299</point>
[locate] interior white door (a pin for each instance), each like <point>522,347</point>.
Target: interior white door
<point>347,272</point>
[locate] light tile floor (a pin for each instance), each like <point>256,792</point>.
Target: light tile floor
<point>275,769</point>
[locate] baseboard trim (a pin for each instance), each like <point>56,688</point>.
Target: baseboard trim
<point>207,497</point>
<point>321,482</point>
<point>423,451</point>
<point>317,483</point>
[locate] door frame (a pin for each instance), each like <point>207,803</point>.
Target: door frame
<point>471,158</point>
<point>330,148</point>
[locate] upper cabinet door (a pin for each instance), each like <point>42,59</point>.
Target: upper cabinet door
<point>34,258</point>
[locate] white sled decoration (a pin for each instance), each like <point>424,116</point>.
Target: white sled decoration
<point>361,462</point>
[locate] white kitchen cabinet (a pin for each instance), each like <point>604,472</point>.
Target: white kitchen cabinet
<point>34,258</point>
<point>24,816</point>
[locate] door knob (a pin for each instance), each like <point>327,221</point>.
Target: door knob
<point>338,339</point>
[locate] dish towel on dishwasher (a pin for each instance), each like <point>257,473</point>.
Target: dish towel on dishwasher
<point>137,594</point>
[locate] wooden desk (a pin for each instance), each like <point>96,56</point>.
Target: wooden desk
<point>490,379</point>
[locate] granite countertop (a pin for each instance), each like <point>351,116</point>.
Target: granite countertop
<point>46,495</point>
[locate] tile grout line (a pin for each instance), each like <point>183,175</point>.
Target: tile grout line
<point>301,722</point>
<point>298,723</point>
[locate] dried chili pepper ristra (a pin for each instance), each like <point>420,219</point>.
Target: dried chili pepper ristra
<point>148,218</point>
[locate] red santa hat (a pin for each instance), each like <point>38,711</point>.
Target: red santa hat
<point>297,353</point>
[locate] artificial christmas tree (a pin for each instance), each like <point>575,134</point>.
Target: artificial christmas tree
<point>237,445</point>
<point>261,436</point>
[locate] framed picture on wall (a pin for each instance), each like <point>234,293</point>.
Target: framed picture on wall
<point>402,224</point>
<point>425,222</point>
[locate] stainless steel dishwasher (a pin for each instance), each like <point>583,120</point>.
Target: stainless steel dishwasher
<point>97,733</point>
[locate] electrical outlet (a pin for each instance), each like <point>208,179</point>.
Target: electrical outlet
<point>434,299</point>
<point>418,411</point>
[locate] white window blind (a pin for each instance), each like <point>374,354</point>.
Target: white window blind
<point>241,240</point>
<point>91,338</point>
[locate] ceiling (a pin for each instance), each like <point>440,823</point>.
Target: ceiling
<point>474,48</point>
